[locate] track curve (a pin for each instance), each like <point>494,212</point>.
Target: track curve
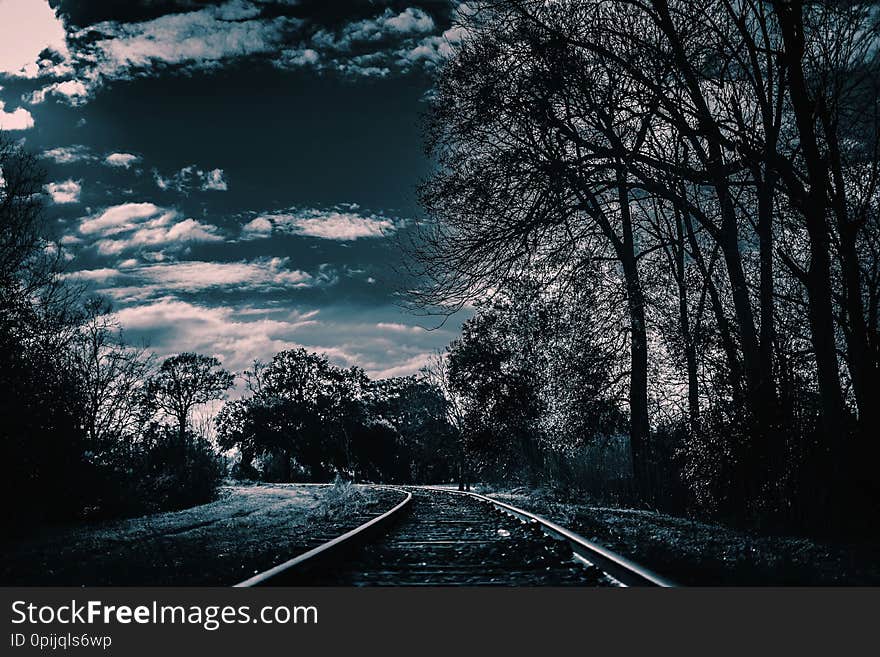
<point>442,537</point>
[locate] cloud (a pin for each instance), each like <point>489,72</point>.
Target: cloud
<point>195,276</point>
<point>409,21</point>
<point>27,29</point>
<point>366,48</point>
<point>210,37</point>
<point>341,224</point>
<point>18,119</point>
<point>134,282</point>
<point>192,178</point>
<point>118,218</point>
<point>64,192</point>
<point>68,154</point>
<point>202,39</point>
<point>395,327</point>
<point>406,368</point>
<point>238,335</point>
<point>155,234</point>
<point>101,275</point>
<point>256,228</point>
<point>143,225</point>
<point>214,180</point>
<point>173,326</point>
<point>433,49</point>
<point>121,160</point>
<point>74,92</point>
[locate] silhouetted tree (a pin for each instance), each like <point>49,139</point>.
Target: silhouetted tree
<point>186,381</point>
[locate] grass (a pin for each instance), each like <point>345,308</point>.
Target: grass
<point>694,552</point>
<point>249,529</point>
<point>343,500</point>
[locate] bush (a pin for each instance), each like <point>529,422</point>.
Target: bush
<point>174,475</point>
<point>342,500</point>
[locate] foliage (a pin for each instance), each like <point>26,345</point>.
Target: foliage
<point>306,419</point>
<point>536,385</point>
<point>185,381</point>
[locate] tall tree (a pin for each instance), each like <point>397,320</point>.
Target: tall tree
<point>185,381</point>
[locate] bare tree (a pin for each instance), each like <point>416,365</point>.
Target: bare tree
<point>113,375</point>
<point>436,371</point>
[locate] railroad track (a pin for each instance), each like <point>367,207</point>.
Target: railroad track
<point>441,537</point>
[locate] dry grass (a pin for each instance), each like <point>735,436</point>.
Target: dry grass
<point>341,501</point>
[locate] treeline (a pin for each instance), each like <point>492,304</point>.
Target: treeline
<point>696,183</point>
<point>304,419</point>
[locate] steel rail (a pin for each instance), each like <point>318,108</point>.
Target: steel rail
<point>625,571</point>
<point>290,568</point>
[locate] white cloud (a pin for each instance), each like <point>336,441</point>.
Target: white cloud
<point>143,225</point>
<point>68,154</point>
<point>133,282</point>
<point>239,335</point>
<point>74,92</point>
<point>368,48</point>
<point>101,275</point>
<point>256,228</point>
<point>194,276</point>
<point>214,180</point>
<point>67,191</point>
<point>406,368</point>
<point>433,49</point>
<point>208,35</point>
<point>18,119</point>
<point>118,218</point>
<point>396,327</point>
<point>156,233</point>
<point>121,160</point>
<point>409,21</point>
<point>215,330</point>
<point>343,225</point>
<point>192,178</point>
<point>27,28</point>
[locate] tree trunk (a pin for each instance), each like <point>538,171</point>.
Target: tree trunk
<point>690,352</point>
<point>640,428</point>
<point>286,470</point>
<point>814,208</point>
<point>181,429</point>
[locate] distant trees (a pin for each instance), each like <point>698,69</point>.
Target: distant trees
<point>436,372</point>
<point>417,419</point>
<point>711,169</point>
<point>297,412</point>
<point>307,419</point>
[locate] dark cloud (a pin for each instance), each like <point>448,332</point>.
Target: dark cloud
<point>325,13</point>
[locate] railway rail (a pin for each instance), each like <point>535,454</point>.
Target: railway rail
<point>437,536</point>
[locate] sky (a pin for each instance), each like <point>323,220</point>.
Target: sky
<point>235,176</point>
